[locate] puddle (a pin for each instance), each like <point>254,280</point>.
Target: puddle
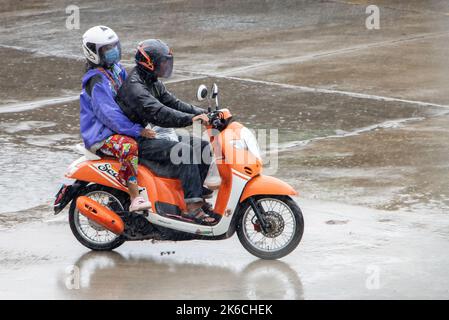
<point>31,176</point>
<point>14,127</point>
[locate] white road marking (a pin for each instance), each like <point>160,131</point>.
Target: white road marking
<point>388,124</point>
<point>44,53</point>
<point>327,91</point>
<point>35,104</point>
<point>17,107</point>
<point>339,92</point>
<point>325,54</point>
<point>30,105</point>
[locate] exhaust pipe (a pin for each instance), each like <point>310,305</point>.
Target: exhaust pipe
<point>100,214</point>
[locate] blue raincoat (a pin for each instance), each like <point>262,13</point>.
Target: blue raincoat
<point>100,115</point>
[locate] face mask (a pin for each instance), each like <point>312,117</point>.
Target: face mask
<point>112,56</point>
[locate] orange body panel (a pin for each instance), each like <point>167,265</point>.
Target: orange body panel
<point>240,159</point>
<point>99,171</point>
<point>158,188</point>
<point>230,158</point>
<point>223,151</point>
<point>224,191</point>
<point>243,161</point>
<point>226,113</point>
<point>161,189</point>
<point>266,185</point>
<point>100,214</point>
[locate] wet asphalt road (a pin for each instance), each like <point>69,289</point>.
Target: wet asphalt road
<point>363,123</point>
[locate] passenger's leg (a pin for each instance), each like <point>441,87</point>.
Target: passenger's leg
<point>125,149</point>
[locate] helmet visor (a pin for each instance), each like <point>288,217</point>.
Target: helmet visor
<point>164,68</point>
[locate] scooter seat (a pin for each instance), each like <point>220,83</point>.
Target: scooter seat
<point>87,153</point>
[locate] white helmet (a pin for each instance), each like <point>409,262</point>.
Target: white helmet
<point>94,39</point>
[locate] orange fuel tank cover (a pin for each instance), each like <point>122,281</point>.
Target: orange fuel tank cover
<point>100,214</point>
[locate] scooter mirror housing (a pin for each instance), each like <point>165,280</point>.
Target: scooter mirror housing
<point>201,93</point>
<point>214,91</point>
<point>214,95</point>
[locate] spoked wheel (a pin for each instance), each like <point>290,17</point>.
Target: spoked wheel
<point>285,226</point>
<point>89,233</point>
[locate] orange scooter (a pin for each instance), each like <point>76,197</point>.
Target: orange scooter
<point>268,222</point>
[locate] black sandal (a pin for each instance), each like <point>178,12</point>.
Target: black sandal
<point>207,193</point>
<point>199,216</point>
<point>209,210</point>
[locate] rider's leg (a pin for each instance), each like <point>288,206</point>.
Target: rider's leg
<point>204,163</point>
<point>201,156</point>
<point>177,156</point>
<point>184,155</point>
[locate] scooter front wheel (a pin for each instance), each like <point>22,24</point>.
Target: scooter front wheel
<point>283,231</point>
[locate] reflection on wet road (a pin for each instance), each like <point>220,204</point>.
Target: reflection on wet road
<point>149,277</point>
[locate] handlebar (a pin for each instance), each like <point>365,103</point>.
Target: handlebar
<point>217,120</point>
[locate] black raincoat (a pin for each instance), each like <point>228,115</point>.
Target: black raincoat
<point>145,100</point>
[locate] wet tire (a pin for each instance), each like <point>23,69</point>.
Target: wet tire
<point>293,242</point>
<point>122,197</point>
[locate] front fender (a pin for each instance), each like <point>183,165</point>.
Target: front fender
<point>268,185</point>
<point>260,185</point>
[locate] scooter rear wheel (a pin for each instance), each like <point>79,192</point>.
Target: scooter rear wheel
<point>87,232</point>
<point>286,227</point>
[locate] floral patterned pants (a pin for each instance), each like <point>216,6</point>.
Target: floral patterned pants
<point>125,149</point>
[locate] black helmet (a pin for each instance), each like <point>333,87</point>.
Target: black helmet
<point>155,57</point>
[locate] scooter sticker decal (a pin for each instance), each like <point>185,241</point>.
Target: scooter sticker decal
<point>106,171</point>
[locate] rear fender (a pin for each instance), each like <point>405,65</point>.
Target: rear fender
<point>66,194</point>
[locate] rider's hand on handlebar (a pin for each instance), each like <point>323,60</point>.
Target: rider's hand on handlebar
<point>148,133</point>
<point>201,117</point>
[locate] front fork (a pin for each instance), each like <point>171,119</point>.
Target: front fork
<point>260,214</point>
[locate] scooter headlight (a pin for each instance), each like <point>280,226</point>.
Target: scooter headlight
<point>247,142</point>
